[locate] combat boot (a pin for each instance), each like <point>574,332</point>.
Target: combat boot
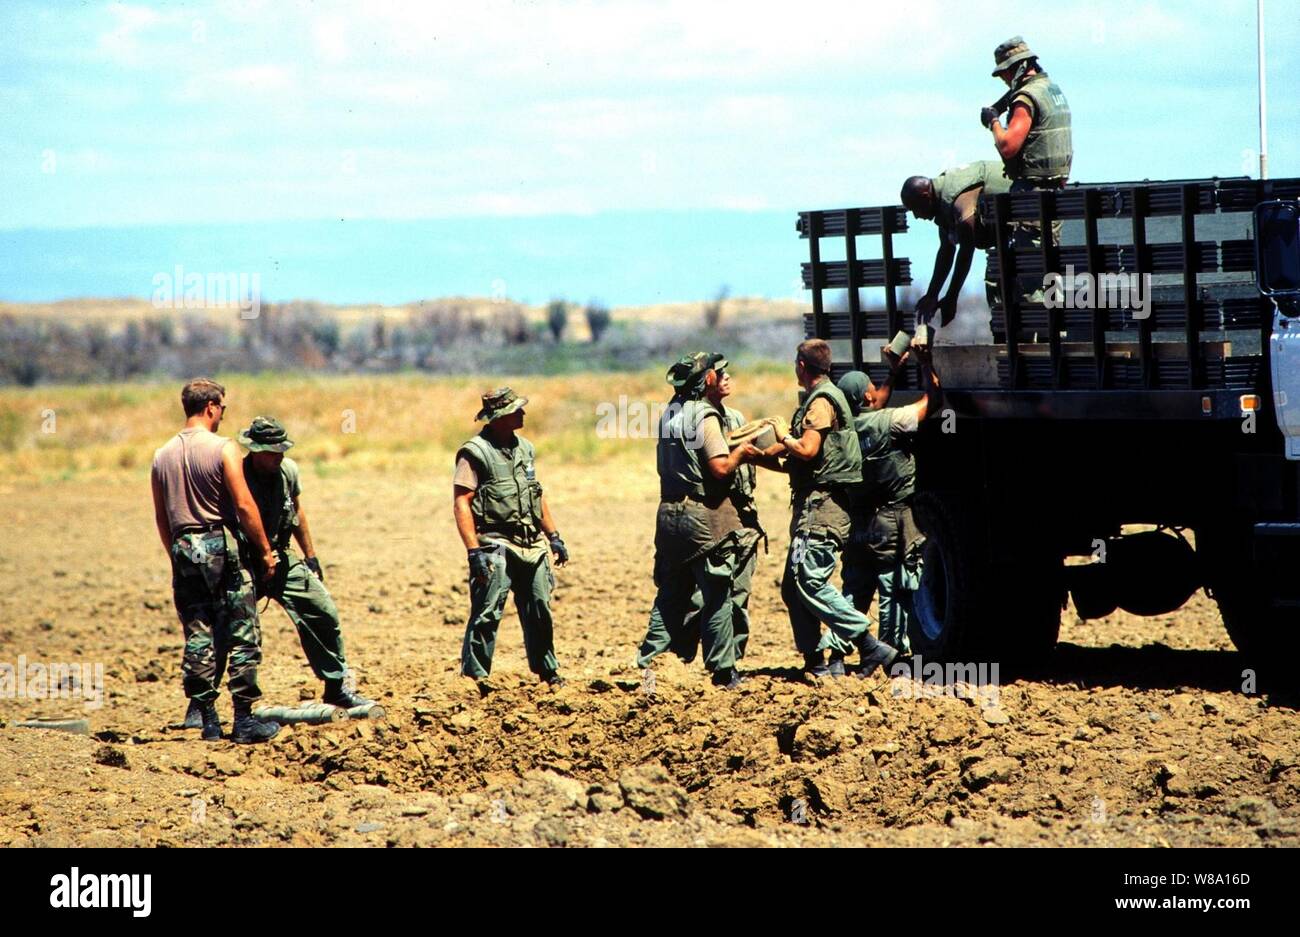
<point>836,665</point>
<point>210,721</point>
<point>553,678</point>
<point>250,729</point>
<point>193,716</point>
<point>875,655</point>
<point>814,665</point>
<point>728,678</point>
<point>338,693</point>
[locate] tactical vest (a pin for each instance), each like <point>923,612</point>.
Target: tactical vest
<point>1048,150</point>
<point>681,469</point>
<point>840,460</point>
<point>508,500</point>
<point>888,463</point>
<point>274,498</point>
<point>951,183</point>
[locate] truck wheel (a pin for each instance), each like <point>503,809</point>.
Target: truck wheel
<point>946,624</point>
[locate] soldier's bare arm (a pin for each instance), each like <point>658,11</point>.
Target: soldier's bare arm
<point>250,520</point>
<point>806,446</point>
<point>302,533</point>
<point>548,523</point>
<point>160,513</point>
<point>933,398</point>
<point>927,304</point>
<point>1010,139</point>
<point>460,509</point>
<point>724,466</point>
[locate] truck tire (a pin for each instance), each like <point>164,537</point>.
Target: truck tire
<point>968,609</point>
<point>1269,637</point>
<point>947,622</point>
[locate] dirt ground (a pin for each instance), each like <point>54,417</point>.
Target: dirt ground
<point>1136,733</point>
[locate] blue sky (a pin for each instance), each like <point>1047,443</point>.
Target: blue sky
<point>249,113</point>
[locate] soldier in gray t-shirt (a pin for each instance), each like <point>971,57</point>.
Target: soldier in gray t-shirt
<point>199,497</point>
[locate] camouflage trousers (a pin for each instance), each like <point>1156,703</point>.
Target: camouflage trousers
<point>309,606</point>
<point>214,598</point>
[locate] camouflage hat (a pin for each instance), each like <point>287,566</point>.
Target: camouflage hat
<point>501,402</point>
<point>265,434</point>
<point>1009,53</point>
<point>689,368</point>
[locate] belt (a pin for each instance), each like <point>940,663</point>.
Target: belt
<point>191,529</point>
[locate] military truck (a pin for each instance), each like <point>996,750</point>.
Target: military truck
<point>1124,454</point>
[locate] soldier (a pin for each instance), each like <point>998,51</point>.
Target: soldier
<point>951,200</point>
<point>885,544</point>
<point>701,542</point>
<point>1036,145</point>
<point>686,643</point>
<point>502,514</point>
<point>298,584</point>
<point>822,462</point>
<point>200,498</point>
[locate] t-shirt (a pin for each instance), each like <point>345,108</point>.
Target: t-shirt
<point>189,471</point>
<point>269,492</point>
<point>713,441</point>
<point>820,415</point>
<point>465,476</point>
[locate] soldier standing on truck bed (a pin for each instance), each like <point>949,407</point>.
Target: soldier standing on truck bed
<point>298,584</point>
<point>701,540</point>
<point>200,498</point>
<point>951,201</point>
<point>822,462</point>
<point>1036,145</point>
<point>743,481</point>
<point>502,516</point>
<point>884,550</point>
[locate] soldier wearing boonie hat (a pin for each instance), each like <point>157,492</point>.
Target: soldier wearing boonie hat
<point>1036,146</point>
<point>298,584</point>
<point>502,516</point>
<point>701,541</point>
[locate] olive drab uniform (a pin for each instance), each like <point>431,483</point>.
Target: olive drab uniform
<point>990,177</point>
<point>212,591</point>
<point>743,485</point>
<point>507,509</point>
<point>819,528</point>
<point>686,643</point>
<point>884,552</point>
<point>1044,159</point>
<point>303,597</point>
<point>701,544</point>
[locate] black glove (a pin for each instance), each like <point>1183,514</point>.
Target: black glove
<point>558,548</point>
<point>313,563</point>
<point>988,115</point>
<point>480,566</point>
